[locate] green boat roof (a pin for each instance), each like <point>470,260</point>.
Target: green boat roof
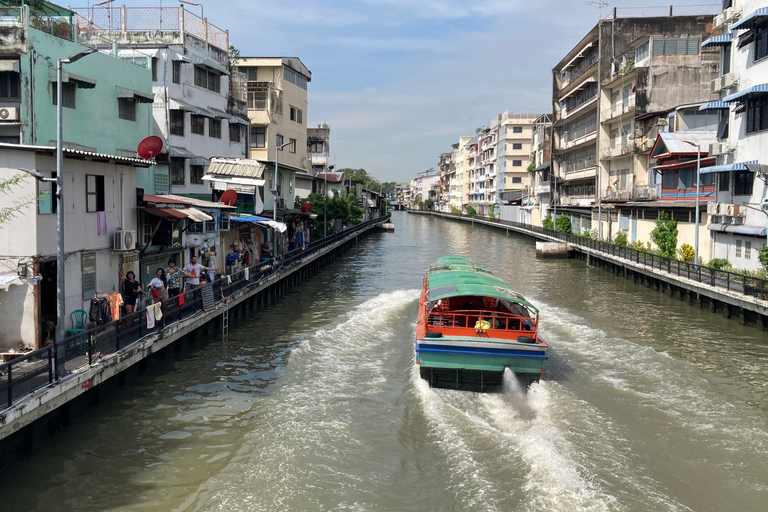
<point>455,276</point>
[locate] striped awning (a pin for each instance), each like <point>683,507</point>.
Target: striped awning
<point>714,105</point>
<point>737,229</point>
<point>749,21</point>
<point>741,95</point>
<point>736,166</point>
<point>721,40</point>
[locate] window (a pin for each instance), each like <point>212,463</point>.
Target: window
<point>686,178</point>
<point>210,225</point>
<point>67,94</point>
<point>214,128</point>
<point>278,140</point>
<point>154,69</point>
<point>743,183</point>
<point>517,129</point>
<point>517,179</point>
<point>9,85</point>
<point>292,147</point>
<point>253,74</point>
<point>198,124</point>
<point>724,182</point>
<point>757,114</point>
<point>194,227</point>
<point>94,193</point>
<point>669,180</point>
<point>297,115</point>
<point>46,198</point>
<point>234,132</point>
<point>275,102</point>
<point>316,147</point>
<point>224,223</point>
<point>295,77</point>
<point>761,42</point>
<point>676,46</point>
<point>177,122</point>
<point>257,96</point>
<point>517,145</point>
<point>747,250</point>
<point>738,248</point>
<point>126,109</point>
<point>641,52</point>
<point>517,163</point>
<point>681,215</point>
<point>177,171</point>
<point>258,137</point>
<point>176,71</point>
<point>207,79</point>
<point>88,269</point>
<point>196,173</point>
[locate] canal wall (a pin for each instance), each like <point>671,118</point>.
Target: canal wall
<point>735,296</point>
<point>46,410</point>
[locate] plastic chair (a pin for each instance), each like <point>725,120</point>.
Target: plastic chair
<point>77,319</point>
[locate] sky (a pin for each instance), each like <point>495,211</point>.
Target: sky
<point>399,81</point>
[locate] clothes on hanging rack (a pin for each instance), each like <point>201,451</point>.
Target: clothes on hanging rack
<point>100,311</point>
<point>115,302</point>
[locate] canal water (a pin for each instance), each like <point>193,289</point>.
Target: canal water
<point>315,404</point>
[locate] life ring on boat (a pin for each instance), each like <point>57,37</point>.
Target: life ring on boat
<point>526,339</point>
<point>433,334</point>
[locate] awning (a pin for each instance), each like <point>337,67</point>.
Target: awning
<point>261,220</point>
<point>207,63</point>
<point>580,175</point>
<point>234,183</point>
<point>180,152</point>
<point>738,166</point>
<point>198,160</point>
<point>751,20</point>
<point>580,54</point>
<point>81,81</point>
<point>141,97</point>
<point>7,279</point>
<point>175,104</point>
<point>9,65</point>
<point>219,114</point>
<point>240,167</point>
<point>742,95</point>
<point>714,105</point>
<point>176,214</point>
<point>240,120</point>
<point>721,40</point>
<point>543,167</point>
<point>737,229</point>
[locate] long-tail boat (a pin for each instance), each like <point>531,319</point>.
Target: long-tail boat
<point>472,326</point>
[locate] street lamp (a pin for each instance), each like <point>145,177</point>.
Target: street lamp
<point>60,320</point>
<point>325,201</point>
<point>698,184</point>
<point>202,13</point>
<point>276,192</point>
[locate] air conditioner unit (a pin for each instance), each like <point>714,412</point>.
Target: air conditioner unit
<point>728,210</point>
<point>712,208</point>
<point>9,114</point>
<point>729,80</point>
<point>125,240</point>
<point>719,148</point>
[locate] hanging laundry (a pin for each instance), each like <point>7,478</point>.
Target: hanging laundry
<point>247,274</point>
<point>158,310</point>
<point>150,317</point>
<point>229,280</point>
<point>115,302</point>
<point>101,223</point>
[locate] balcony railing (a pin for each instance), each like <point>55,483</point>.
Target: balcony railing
<point>619,109</point>
<point>616,151</point>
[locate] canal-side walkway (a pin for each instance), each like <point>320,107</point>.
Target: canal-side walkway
<point>735,295</point>
<point>42,381</point>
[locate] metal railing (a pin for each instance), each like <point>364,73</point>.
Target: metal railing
<point>665,10</point>
<point>730,281</point>
<point>41,368</point>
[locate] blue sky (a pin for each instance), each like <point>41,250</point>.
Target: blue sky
<point>400,80</point>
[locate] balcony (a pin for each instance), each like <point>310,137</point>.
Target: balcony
<point>573,140</point>
<point>619,109</point>
<point>543,188</point>
<point>646,192</point>
<point>567,112</point>
<point>616,151</point>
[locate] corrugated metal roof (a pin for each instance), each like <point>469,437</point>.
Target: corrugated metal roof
<point>714,105</point>
<point>675,141</point>
<point>752,19</point>
<point>737,166</point>
<point>331,177</point>
<point>721,40</point>
<point>197,215</point>
<point>168,213</point>
<point>742,95</point>
<point>739,230</point>
<point>196,202</point>
<point>236,167</point>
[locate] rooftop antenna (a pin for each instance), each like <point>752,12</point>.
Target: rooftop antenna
<point>600,4</point>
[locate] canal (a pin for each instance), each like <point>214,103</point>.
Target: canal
<point>314,404</point>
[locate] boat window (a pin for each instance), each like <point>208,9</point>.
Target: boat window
<point>442,290</point>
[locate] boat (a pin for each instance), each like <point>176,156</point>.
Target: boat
<point>388,226</point>
<point>472,326</point>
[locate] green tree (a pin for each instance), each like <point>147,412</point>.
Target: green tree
<point>547,223</point>
<point>17,204</point>
<point>471,211</point>
<point>563,223</point>
<point>621,239</point>
<point>664,235</point>
<point>762,257</point>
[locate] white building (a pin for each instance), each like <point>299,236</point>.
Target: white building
<point>738,227</point>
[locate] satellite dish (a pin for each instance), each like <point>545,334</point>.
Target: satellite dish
<point>150,147</point>
<point>306,208</point>
<point>229,198</point>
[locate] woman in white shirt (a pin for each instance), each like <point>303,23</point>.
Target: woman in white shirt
<point>159,287</point>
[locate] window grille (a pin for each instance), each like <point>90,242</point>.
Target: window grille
<point>198,124</point>
<point>177,122</point>
<point>67,94</point>
<point>126,109</point>
<point>177,171</point>
<point>214,128</point>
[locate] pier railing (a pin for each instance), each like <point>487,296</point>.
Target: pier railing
<point>41,368</point>
<point>731,281</point>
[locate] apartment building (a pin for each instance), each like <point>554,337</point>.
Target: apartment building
<point>277,110</point>
<point>738,213</point>
<point>319,147</point>
<point>464,163</point>
<point>615,86</point>
<point>515,133</point>
<point>447,173</point>
<point>541,151</point>
<point>199,103</point>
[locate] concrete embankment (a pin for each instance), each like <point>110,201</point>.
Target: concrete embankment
<point>731,295</point>
<point>44,411</point>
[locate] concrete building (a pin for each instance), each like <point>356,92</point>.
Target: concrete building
<point>447,173</point>
<point>738,226</point>
<point>635,65</point>
<point>199,104</point>
<point>277,109</point>
<point>541,150</point>
<point>515,132</point>
<point>464,164</point>
<point>319,147</point>
<point>105,113</point>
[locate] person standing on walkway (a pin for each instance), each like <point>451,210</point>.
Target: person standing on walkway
<point>173,275</point>
<point>192,272</point>
<point>159,287</point>
<point>131,291</point>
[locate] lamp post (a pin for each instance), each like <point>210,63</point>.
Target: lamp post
<point>698,184</point>
<point>325,201</point>
<point>202,13</point>
<point>276,192</point>
<point>60,320</point>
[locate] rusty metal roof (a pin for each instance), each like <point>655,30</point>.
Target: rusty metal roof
<point>236,167</point>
